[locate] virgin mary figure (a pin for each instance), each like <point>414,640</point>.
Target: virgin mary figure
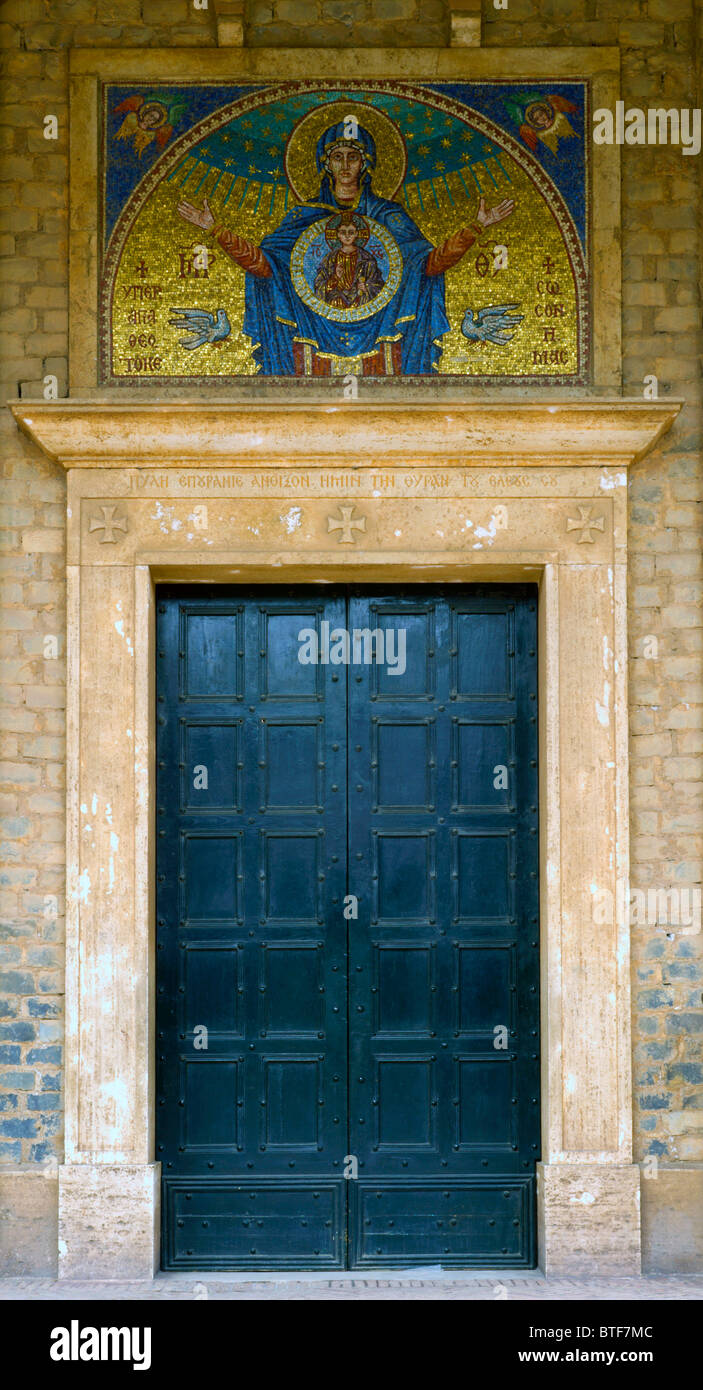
<point>301,336</point>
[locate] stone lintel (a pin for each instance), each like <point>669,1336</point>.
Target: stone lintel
<point>427,64</point>
<point>106,433</point>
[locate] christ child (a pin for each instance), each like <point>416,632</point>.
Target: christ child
<point>349,275</point>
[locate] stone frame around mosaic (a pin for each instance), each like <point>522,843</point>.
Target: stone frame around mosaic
<point>90,68</point>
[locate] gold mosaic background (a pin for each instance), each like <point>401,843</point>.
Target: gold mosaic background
<point>160,246</point>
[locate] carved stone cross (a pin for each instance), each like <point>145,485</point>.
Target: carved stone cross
<point>585,525</point>
<point>109,524</point>
<point>345,524</point>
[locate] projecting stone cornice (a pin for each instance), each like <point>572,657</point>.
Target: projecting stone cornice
<point>99,434</point>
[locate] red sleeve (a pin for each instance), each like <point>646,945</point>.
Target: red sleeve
<point>248,256</point>
<point>451,251</point>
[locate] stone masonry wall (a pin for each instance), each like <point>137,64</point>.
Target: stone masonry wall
<point>661,316</point>
<point>661,221</point>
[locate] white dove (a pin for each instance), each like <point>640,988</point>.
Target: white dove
<point>494,324</point>
<point>202,326</point>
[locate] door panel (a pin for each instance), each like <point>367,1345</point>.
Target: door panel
<point>250,934</point>
<point>444,938</point>
<point>406,787</point>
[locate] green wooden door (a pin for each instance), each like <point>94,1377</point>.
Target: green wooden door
<point>347,941</point>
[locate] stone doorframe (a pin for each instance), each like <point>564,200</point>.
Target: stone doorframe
<point>245,493</point>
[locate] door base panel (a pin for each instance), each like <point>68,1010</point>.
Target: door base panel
<point>266,1224</point>
<point>460,1225</point>
<point>261,1223</point>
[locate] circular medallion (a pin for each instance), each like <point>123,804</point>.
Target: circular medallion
<point>391,159</point>
<point>346,285</point>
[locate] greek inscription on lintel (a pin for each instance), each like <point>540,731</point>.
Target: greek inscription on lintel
<point>427,481</point>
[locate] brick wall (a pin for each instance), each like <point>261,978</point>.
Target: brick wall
<point>661,220</point>
<point>661,315</point>
<point>340,23</point>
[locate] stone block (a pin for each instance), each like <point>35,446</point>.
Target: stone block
<point>465,30</point>
<point>678,319</point>
<point>43,540</point>
<point>171,12</point>
<point>28,1224</point>
<point>108,1221</point>
<point>589,1219</point>
<point>672,1220</point>
<point>394,9</point>
<point>297,12</point>
<point>641,34</point>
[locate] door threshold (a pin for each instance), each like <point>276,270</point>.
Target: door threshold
<point>287,1276</point>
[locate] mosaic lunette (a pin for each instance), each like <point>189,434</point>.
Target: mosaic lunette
<point>385,229</point>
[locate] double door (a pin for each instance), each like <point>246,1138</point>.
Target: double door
<point>347,927</point>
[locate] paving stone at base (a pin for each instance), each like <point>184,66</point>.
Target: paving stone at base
<point>294,1288</point>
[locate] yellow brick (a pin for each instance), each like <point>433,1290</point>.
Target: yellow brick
<point>43,540</point>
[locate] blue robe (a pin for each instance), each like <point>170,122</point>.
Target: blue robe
<point>274,314</point>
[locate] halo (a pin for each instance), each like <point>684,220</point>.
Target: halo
<point>391,157</point>
<point>367,229</point>
<point>356,314</point>
<point>541,102</point>
<point>150,106</point>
